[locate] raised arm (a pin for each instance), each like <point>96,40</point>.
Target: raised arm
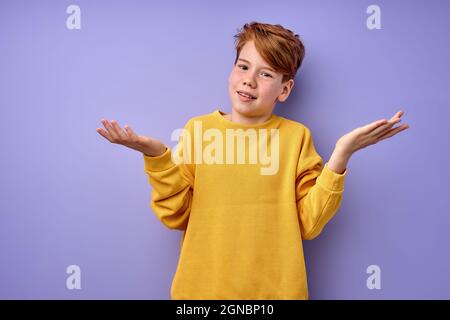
<point>363,137</point>
<point>172,183</point>
<point>319,190</point>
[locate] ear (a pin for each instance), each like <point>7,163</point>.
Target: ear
<point>287,87</point>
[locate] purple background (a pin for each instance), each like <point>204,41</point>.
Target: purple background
<point>68,196</point>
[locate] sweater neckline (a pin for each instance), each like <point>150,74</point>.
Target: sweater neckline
<point>219,114</point>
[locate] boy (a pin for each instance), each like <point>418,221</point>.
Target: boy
<point>243,225</point>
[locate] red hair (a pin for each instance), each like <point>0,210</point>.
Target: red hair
<point>279,47</point>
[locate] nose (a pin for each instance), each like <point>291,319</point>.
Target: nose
<point>248,80</point>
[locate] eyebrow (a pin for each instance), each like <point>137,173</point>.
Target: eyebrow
<point>264,67</point>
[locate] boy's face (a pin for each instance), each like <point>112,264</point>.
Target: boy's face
<point>256,77</point>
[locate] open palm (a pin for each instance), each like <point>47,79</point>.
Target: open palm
<point>371,133</point>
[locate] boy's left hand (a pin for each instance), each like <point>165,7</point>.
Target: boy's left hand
<point>370,134</point>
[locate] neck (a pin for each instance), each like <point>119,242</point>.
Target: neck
<point>239,118</point>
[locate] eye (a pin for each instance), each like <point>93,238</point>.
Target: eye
<point>243,65</point>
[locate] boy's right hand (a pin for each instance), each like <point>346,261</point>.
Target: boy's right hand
<point>148,146</point>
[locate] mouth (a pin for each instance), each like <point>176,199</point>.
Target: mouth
<point>246,95</point>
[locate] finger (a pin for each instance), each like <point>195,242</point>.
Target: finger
<point>118,130</point>
<point>110,129</point>
<point>372,126</point>
<point>104,133</point>
<point>393,132</point>
<point>130,131</point>
<point>398,115</point>
<point>381,130</point>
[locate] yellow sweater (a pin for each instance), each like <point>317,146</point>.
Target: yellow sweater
<point>243,230</point>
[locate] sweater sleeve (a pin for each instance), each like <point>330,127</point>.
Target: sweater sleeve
<point>172,186</point>
<point>319,190</point>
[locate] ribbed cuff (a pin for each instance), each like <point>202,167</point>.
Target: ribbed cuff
<point>331,180</point>
<point>158,163</point>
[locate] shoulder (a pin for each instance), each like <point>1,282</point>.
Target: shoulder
<point>295,127</point>
<point>203,118</point>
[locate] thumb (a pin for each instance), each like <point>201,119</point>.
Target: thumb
<point>129,131</point>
